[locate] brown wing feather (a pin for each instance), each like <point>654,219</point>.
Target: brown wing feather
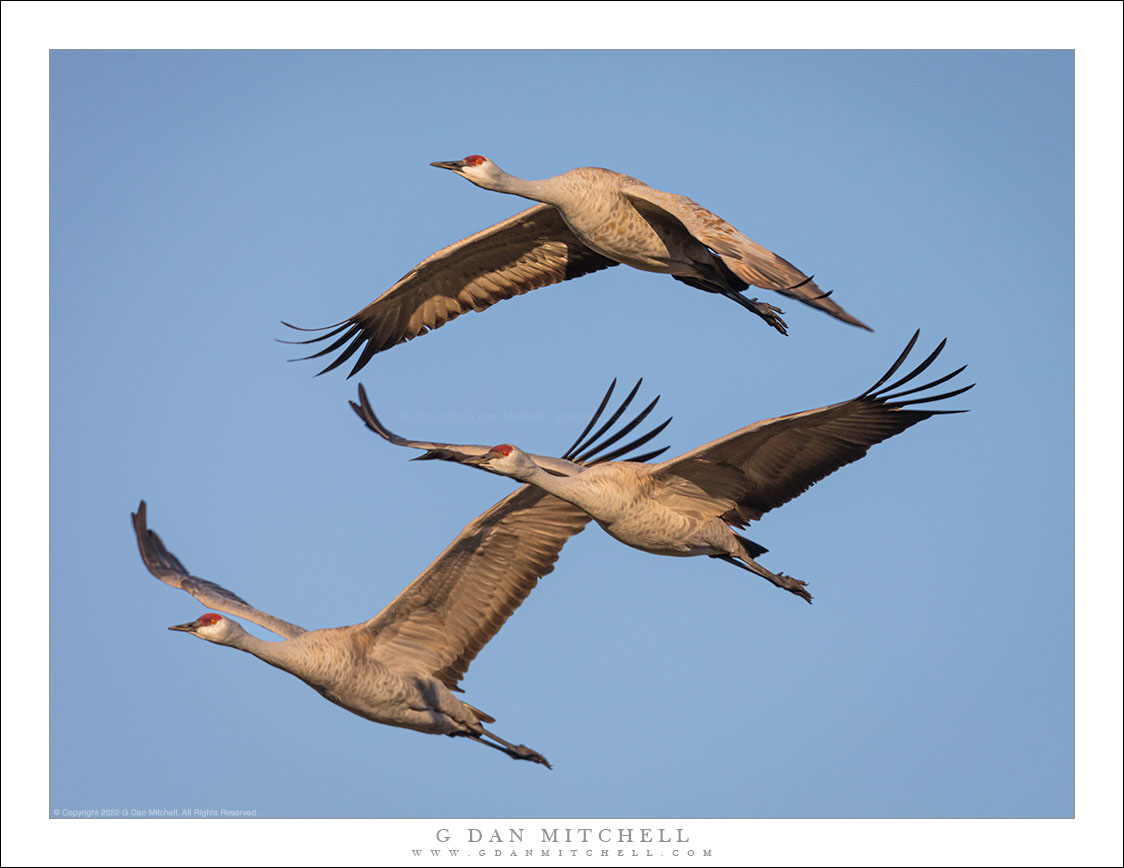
<point>768,463</point>
<point>445,616</point>
<point>168,569</point>
<point>532,249</point>
<point>776,460</point>
<point>756,265</point>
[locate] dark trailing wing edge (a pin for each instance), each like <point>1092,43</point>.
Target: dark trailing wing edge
<point>584,450</point>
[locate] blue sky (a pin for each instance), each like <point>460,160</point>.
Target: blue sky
<point>198,198</point>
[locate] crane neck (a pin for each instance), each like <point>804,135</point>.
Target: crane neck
<point>568,488</point>
<point>279,654</point>
<point>545,190</point>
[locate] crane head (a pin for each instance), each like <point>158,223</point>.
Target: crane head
<point>505,459</point>
<point>212,627</point>
<point>478,169</point>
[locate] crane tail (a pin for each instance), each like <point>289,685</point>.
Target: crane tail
<point>755,549</point>
<point>482,716</point>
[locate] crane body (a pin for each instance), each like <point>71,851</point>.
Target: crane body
<point>401,667</point>
<point>690,505</point>
<point>586,220</point>
<point>342,664</point>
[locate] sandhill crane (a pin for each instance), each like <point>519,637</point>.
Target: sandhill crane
<point>401,666</point>
<point>686,506</point>
<point>589,219</point>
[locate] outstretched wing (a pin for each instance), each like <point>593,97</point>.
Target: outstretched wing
<point>448,613</point>
<point>167,568</point>
<point>534,248</point>
<point>751,262</point>
<point>445,616</point>
<point>570,463</point>
<point>745,474</point>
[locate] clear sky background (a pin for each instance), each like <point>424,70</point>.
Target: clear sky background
<point>198,198</point>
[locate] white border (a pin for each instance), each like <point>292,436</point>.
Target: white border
<point>1092,29</point>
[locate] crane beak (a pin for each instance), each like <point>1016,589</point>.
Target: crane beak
<point>451,164</point>
<point>186,628</point>
<point>439,455</point>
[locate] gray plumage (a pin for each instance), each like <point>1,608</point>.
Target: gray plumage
<point>589,219</point>
<point>402,666</point>
<point>688,505</point>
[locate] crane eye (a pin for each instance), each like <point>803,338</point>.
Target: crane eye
<point>474,160</point>
<point>209,619</point>
<point>503,449</point>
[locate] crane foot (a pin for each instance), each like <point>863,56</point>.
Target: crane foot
<point>515,751</point>
<point>767,312</point>
<point>795,586</point>
<point>521,751</point>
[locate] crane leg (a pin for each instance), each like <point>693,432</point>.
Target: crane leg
<point>793,586</point>
<point>766,311</point>
<point>515,751</point>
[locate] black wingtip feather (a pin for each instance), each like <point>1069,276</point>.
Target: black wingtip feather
<point>641,416</point>
<point>613,418</point>
<point>941,397</point>
<point>931,385</point>
<point>597,415</point>
<point>329,332</point>
<point>887,396</point>
<point>894,367</point>
<point>636,444</point>
<point>920,369</point>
